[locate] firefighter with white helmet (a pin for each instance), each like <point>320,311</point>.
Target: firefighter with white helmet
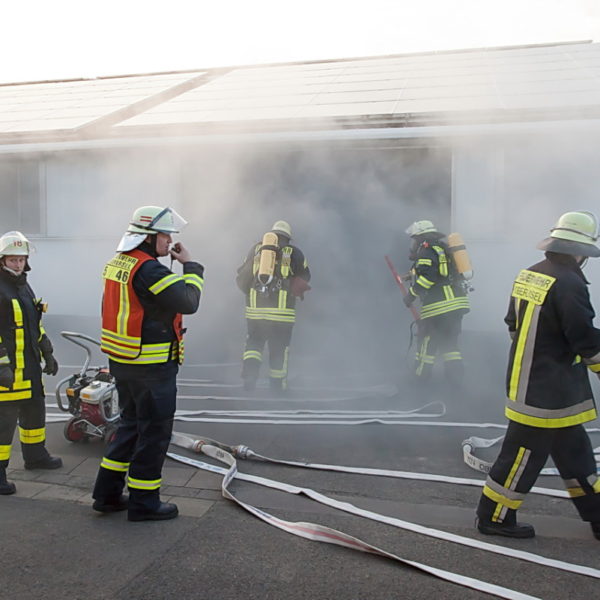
<point>273,275</point>
<point>23,344</point>
<point>549,397</point>
<point>142,333</point>
<point>439,287</point>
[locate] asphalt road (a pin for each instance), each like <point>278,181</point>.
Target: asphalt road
<point>58,548</point>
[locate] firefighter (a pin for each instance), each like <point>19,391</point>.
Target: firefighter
<point>23,344</point>
<point>436,283</point>
<point>142,334</point>
<point>554,343</point>
<point>270,303</point>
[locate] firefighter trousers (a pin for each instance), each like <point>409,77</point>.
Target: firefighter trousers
<point>278,336</point>
<point>31,416</point>
<point>523,455</point>
<point>137,452</point>
<point>438,337</point>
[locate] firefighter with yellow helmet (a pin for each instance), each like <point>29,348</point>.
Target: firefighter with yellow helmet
<point>273,275</point>
<point>438,285</point>
<point>142,333</point>
<point>23,344</point>
<point>549,397</point>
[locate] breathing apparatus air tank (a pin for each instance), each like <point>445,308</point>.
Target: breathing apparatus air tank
<point>458,251</point>
<point>268,258</point>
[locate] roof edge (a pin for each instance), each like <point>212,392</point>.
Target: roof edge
<point>216,70</point>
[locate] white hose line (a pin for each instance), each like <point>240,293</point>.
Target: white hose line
<point>320,533</point>
<point>484,466</point>
<point>195,445</point>
<point>302,416</point>
<point>209,365</point>
<point>377,391</point>
<point>443,535</point>
<point>404,475</point>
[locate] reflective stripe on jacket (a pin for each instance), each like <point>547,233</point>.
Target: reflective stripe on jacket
<point>275,302</point>
<point>550,318</point>
<point>20,333</point>
<point>433,282</point>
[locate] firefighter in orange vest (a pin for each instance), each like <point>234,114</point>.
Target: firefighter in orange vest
<point>23,343</point>
<point>142,333</point>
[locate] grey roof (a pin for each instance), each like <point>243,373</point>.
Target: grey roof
<point>54,106</point>
<point>554,81</point>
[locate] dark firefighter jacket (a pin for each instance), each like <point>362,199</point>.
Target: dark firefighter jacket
<point>20,334</point>
<point>162,295</point>
<point>435,281</point>
<point>550,318</point>
<point>274,302</point>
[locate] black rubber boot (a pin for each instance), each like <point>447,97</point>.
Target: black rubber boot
<point>6,488</point>
<point>165,511</point>
<point>47,462</point>
<point>111,505</point>
<point>514,530</point>
<point>596,529</point>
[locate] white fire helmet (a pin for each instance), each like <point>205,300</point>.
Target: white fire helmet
<point>150,220</point>
<point>575,233</point>
<point>14,243</point>
<point>421,227</point>
<point>283,228</point>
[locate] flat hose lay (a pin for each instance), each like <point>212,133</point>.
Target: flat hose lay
<point>297,417</point>
<point>320,533</point>
<point>204,445</point>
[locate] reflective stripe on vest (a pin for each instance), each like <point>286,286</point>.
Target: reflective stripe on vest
<point>123,314</point>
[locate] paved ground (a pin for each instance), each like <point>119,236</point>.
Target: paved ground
<point>57,547</point>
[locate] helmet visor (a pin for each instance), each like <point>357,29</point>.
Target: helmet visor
<point>167,220</point>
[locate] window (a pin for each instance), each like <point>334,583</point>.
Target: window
<point>20,195</point>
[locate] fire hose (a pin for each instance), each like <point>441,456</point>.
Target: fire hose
<point>228,454</point>
<point>484,466</point>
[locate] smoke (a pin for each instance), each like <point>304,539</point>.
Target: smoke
<point>348,205</point>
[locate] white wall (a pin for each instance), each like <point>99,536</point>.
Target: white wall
<point>507,194</point>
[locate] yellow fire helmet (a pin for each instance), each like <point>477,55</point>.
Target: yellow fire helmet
<point>575,233</point>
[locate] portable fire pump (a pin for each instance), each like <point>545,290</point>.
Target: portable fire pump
<point>90,396</point>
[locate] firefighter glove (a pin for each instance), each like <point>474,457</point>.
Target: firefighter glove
<point>408,299</point>
<point>51,366</point>
<point>7,376</point>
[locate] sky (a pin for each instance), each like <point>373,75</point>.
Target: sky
<point>66,39</point>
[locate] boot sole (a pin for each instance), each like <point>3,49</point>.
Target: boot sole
<point>515,534</point>
<point>109,508</point>
<point>42,467</point>
<point>8,492</point>
<point>153,517</point>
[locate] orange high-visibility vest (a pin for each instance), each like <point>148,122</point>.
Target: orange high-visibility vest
<point>123,314</point>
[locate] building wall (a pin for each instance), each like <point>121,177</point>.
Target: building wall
<point>508,191</point>
<point>348,207</point>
